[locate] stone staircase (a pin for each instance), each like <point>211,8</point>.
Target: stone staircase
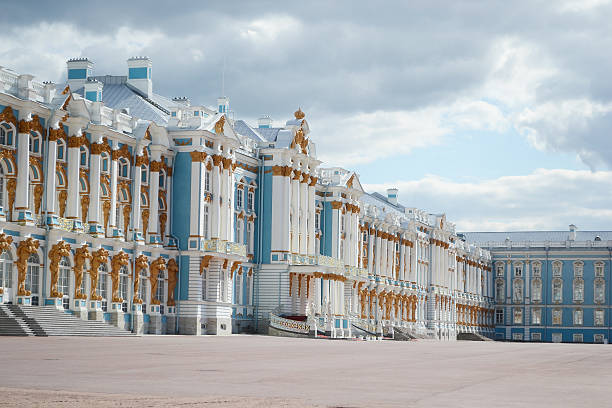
<point>473,337</point>
<point>48,321</point>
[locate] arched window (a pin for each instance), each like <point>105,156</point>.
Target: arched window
<point>61,150</point>
<point>238,289</point>
<point>83,156</point>
<point>6,134</point>
<point>499,290</point>
<point>144,174</point>
<point>517,290</point>
<point>105,163</point>
<point>35,142</point>
<point>143,200</point>
<point>557,290</point>
<point>536,290</point>
<point>142,288</point>
<point>32,276</point>
<point>123,286</point>
<point>239,231</point>
<point>63,282</point>
<point>6,271</point>
<point>102,288</point>
<point>557,268</point>
<point>578,290</point>
<point>599,290</point>
<point>162,179</point>
<point>208,181</point>
<point>159,294</point>
<point>204,284</point>
<point>124,168</point>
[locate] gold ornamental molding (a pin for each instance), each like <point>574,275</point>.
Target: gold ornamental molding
<point>157,267</point>
<point>118,261</point>
<point>172,280</point>
<point>25,248</point>
<point>57,252</point>
<point>97,258</point>
<point>142,263</point>
<point>80,256</point>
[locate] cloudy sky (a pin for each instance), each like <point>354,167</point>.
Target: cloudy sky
<point>498,113</point>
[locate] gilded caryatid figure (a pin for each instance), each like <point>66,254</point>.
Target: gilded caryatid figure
<point>57,252</point>
<point>157,267</point>
<point>142,262</point>
<point>172,280</point>
<point>25,248</point>
<point>97,258</point>
<point>80,256</point>
<point>117,262</point>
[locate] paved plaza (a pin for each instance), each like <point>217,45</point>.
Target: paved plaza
<point>260,371</point>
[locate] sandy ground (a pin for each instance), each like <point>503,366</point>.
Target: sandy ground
<point>260,371</point>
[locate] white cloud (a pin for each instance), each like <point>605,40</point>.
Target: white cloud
<point>545,199</point>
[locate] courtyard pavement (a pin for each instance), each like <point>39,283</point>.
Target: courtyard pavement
<point>261,371</point>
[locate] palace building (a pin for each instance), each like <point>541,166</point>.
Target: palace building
<point>159,216</point>
<point>551,285</point>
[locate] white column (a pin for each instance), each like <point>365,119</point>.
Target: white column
<point>305,211</point>
<point>72,206</point>
<point>295,210</point>
<point>136,215</point>
<point>311,215</point>
<point>50,199</point>
<point>231,187</point>
<point>153,198</point>
<point>94,191</point>
<point>112,224</point>
<point>215,213</point>
<point>23,172</point>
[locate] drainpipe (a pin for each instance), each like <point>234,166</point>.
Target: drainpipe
<point>259,244</point>
<point>609,280</point>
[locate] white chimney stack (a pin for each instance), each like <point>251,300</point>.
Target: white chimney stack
<point>392,195</point>
<point>139,75</point>
<point>78,71</point>
<point>572,232</point>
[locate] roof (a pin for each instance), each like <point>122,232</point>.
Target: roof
<point>117,94</point>
<point>537,236</point>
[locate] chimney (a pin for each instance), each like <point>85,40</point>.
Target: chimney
<point>223,104</point>
<point>93,90</point>
<point>78,71</point>
<point>139,75</point>
<point>392,195</point>
<point>264,122</point>
<point>49,91</point>
<point>572,232</point>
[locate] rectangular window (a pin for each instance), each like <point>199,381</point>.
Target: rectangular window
<point>499,316</point>
<point>518,270</point>
<point>207,181</point>
<point>556,269</point>
<point>536,316</point>
<point>204,284</point>
<point>536,336</point>
<point>239,198</point>
<point>251,202</point>
<point>317,220</point>
<point>578,317</point>
<point>598,338</point>
<point>518,316</point>
<point>517,336</point>
<point>537,270</point>
<point>578,337</point>
<point>599,270</point>
<point>557,337</point>
<point>499,271</point>
<point>238,289</point>
<point>557,317</point>
<point>598,317</point>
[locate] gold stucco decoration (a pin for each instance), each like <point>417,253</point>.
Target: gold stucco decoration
<point>57,252</point>
<point>172,280</point>
<point>80,256</point>
<point>97,258</point>
<point>25,248</point>
<point>157,267</point>
<point>142,263</point>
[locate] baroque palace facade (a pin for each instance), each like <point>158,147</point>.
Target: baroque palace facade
<point>160,216</point>
<point>551,285</point>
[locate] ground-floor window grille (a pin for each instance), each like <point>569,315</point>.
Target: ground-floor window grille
<point>598,338</point>
<point>578,337</point>
<point>536,336</point>
<point>517,336</point>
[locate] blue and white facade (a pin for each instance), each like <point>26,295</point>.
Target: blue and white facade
<point>551,286</point>
<point>160,216</point>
